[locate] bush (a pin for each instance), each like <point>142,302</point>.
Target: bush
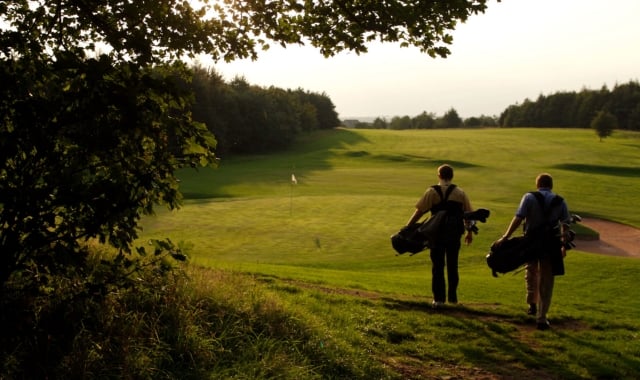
<point>155,321</point>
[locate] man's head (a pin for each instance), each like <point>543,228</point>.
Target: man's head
<point>544,181</point>
<point>445,172</point>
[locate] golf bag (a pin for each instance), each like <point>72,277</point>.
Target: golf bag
<point>513,253</point>
<point>510,255</point>
<point>409,239</point>
<point>420,236</point>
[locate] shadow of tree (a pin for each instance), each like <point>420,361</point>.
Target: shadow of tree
<point>527,351</point>
<point>498,343</point>
<point>311,153</point>
<point>616,171</point>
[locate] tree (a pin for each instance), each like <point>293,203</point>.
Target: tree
<point>252,119</point>
<point>589,102</point>
<point>571,109</point>
<point>94,117</point>
<point>557,110</point>
<point>400,122</point>
<point>424,121</point>
<point>623,100</point>
<point>450,119</point>
<point>379,123</point>
<point>604,123</point>
<point>325,109</point>
<point>634,118</point>
<point>480,121</point>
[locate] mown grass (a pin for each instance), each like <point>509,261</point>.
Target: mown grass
<point>321,248</point>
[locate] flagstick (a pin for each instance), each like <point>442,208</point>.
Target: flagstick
<point>294,181</point>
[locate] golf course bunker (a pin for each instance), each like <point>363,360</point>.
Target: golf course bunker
<point>616,239</point>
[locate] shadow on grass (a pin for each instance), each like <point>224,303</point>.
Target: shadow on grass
<point>494,341</point>
<point>407,158</point>
<point>518,350</point>
<point>508,346</point>
<point>623,366</point>
<point>616,171</point>
<point>313,152</point>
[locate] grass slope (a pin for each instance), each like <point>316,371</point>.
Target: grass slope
<point>322,245</point>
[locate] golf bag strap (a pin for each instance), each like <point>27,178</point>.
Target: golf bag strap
<point>546,211</point>
<point>444,197</point>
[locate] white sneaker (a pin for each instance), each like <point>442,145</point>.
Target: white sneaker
<point>437,304</point>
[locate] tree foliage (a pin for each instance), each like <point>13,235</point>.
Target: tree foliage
<point>480,121</point>
<point>251,119</point>
<point>148,31</point>
<point>427,120</point>
<point>95,111</point>
<point>424,121</point>
<point>604,123</point>
<point>400,122</point>
<point>450,119</point>
<point>95,118</point>
<point>577,109</point>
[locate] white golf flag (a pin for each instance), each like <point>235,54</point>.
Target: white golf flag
<point>293,179</point>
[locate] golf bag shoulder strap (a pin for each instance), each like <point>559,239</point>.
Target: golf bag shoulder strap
<point>540,199</point>
<point>556,201</point>
<point>444,203</point>
<point>444,197</point>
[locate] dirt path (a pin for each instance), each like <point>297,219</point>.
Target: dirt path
<point>615,239</point>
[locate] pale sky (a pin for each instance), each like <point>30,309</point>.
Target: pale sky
<point>517,49</point>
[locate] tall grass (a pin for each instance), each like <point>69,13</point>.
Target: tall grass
<point>183,323</point>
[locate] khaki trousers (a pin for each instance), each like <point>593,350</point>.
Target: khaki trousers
<point>539,281</point>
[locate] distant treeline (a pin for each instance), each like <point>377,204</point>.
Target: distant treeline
<point>247,118</point>
<point>562,109</point>
<point>577,109</point>
<point>425,120</point>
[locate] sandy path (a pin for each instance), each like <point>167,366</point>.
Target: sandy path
<point>615,239</point>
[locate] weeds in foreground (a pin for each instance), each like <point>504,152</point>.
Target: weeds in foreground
<point>184,323</point>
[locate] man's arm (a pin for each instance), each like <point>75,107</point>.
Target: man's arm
<point>515,223</point>
<point>417,214</point>
<point>466,207</point>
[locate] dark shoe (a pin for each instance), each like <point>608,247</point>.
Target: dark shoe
<point>543,326</point>
<point>533,310</point>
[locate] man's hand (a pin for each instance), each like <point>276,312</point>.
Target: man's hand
<point>500,241</point>
<point>468,238</point>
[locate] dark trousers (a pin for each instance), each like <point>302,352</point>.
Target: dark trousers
<point>443,255</point>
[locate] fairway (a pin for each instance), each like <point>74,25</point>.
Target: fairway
<point>357,187</point>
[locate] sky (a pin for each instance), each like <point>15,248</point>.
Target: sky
<point>517,49</point>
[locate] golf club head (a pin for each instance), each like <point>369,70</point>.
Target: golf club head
<point>480,215</point>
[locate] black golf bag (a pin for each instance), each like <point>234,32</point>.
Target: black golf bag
<point>510,255</point>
